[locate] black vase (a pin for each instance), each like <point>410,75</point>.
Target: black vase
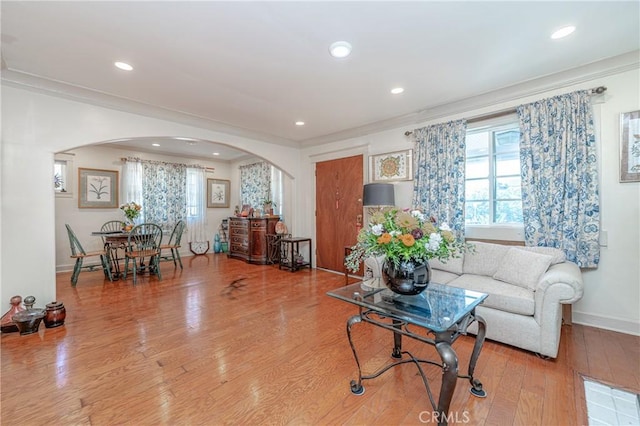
<point>408,277</point>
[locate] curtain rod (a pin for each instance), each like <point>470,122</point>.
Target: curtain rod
<point>595,91</point>
<point>207,169</point>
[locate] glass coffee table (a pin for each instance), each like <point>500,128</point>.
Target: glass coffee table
<point>444,312</point>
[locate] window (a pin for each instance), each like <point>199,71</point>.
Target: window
<point>194,193</point>
<point>492,187</point>
<point>62,175</point>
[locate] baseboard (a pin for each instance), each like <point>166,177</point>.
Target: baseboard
<point>607,323</point>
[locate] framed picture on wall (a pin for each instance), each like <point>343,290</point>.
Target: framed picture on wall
<point>630,147</point>
<point>218,193</point>
<point>97,189</point>
<point>393,166</point>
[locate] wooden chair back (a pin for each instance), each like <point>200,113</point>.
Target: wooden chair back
<point>111,226</point>
<point>76,247</point>
<point>176,234</point>
<point>144,240</point>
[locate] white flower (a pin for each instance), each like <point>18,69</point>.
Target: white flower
<point>395,233</point>
<point>444,227</point>
<point>434,242</point>
<point>418,215</point>
<point>377,229</point>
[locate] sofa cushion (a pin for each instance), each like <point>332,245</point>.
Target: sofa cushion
<point>442,277</point>
<point>502,296</point>
<point>522,268</point>
<point>483,259</point>
<point>453,265</point>
<point>557,255</point>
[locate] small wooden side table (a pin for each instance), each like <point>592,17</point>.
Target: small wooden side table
<point>290,253</point>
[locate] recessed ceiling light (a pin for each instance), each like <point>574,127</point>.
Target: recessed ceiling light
<point>563,32</point>
<point>216,153</point>
<point>340,49</point>
<point>299,123</point>
<point>155,144</point>
<point>397,90</point>
<point>123,66</point>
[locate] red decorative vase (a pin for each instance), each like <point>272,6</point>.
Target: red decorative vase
<point>8,326</point>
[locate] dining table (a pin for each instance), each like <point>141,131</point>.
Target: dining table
<point>113,242</point>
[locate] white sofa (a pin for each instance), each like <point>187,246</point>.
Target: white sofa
<point>526,286</point>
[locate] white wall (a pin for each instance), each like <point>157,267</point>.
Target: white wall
<point>84,221</point>
<point>612,292</point>
<point>34,127</point>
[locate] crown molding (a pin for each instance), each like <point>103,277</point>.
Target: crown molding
<point>586,73</point>
<point>583,74</point>
<point>35,83</point>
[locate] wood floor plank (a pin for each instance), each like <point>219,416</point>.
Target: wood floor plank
<point>223,342</point>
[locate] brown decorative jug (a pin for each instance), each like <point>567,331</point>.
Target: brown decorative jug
<point>54,315</point>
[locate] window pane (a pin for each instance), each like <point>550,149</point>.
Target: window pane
<point>508,188</point>
<point>508,212</point>
<point>477,189</point>
<point>507,141</point>
<point>60,176</point>
<point>476,213</point>
<point>477,168</point>
<point>477,144</point>
<point>508,164</point>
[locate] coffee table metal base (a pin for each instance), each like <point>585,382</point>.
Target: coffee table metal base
<point>442,342</point>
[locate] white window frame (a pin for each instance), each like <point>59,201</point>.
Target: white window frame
<point>68,177</point>
<point>494,231</point>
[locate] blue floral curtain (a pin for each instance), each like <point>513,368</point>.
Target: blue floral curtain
<point>164,192</point>
<point>255,184</point>
<point>560,177</point>
<point>438,182</point>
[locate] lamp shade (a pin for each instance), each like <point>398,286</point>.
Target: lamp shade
<point>378,194</point>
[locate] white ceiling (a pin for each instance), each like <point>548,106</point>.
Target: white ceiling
<point>254,68</point>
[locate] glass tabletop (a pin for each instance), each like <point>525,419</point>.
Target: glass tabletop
<point>437,308</point>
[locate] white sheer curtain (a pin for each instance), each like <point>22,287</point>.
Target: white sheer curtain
<point>277,190</point>
<point>196,209</point>
<point>131,189</point>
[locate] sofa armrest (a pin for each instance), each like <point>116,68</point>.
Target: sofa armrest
<point>569,275</point>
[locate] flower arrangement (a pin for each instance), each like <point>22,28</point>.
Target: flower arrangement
<point>131,210</point>
<point>404,235</point>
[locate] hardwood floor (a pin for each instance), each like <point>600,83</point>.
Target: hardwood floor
<point>223,342</point>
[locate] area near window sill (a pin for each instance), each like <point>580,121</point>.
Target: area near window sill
<point>495,232</point>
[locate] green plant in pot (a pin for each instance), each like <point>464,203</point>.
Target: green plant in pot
<point>408,239</point>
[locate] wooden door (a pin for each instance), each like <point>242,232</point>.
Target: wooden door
<point>339,209</point>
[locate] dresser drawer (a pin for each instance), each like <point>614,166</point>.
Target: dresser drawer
<point>239,248</point>
<point>239,239</point>
<point>258,225</point>
<point>238,231</point>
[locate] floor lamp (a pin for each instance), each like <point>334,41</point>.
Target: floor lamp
<point>376,196</point>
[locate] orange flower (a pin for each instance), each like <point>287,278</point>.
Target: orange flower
<point>384,238</point>
<point>407,240</point>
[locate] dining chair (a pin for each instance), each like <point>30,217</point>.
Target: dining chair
<point>79,254</point>
<point>174,244</point>
<point>144,241</point>
<point>111,226</point>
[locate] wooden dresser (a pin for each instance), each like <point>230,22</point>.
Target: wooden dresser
<point>248,238</point>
